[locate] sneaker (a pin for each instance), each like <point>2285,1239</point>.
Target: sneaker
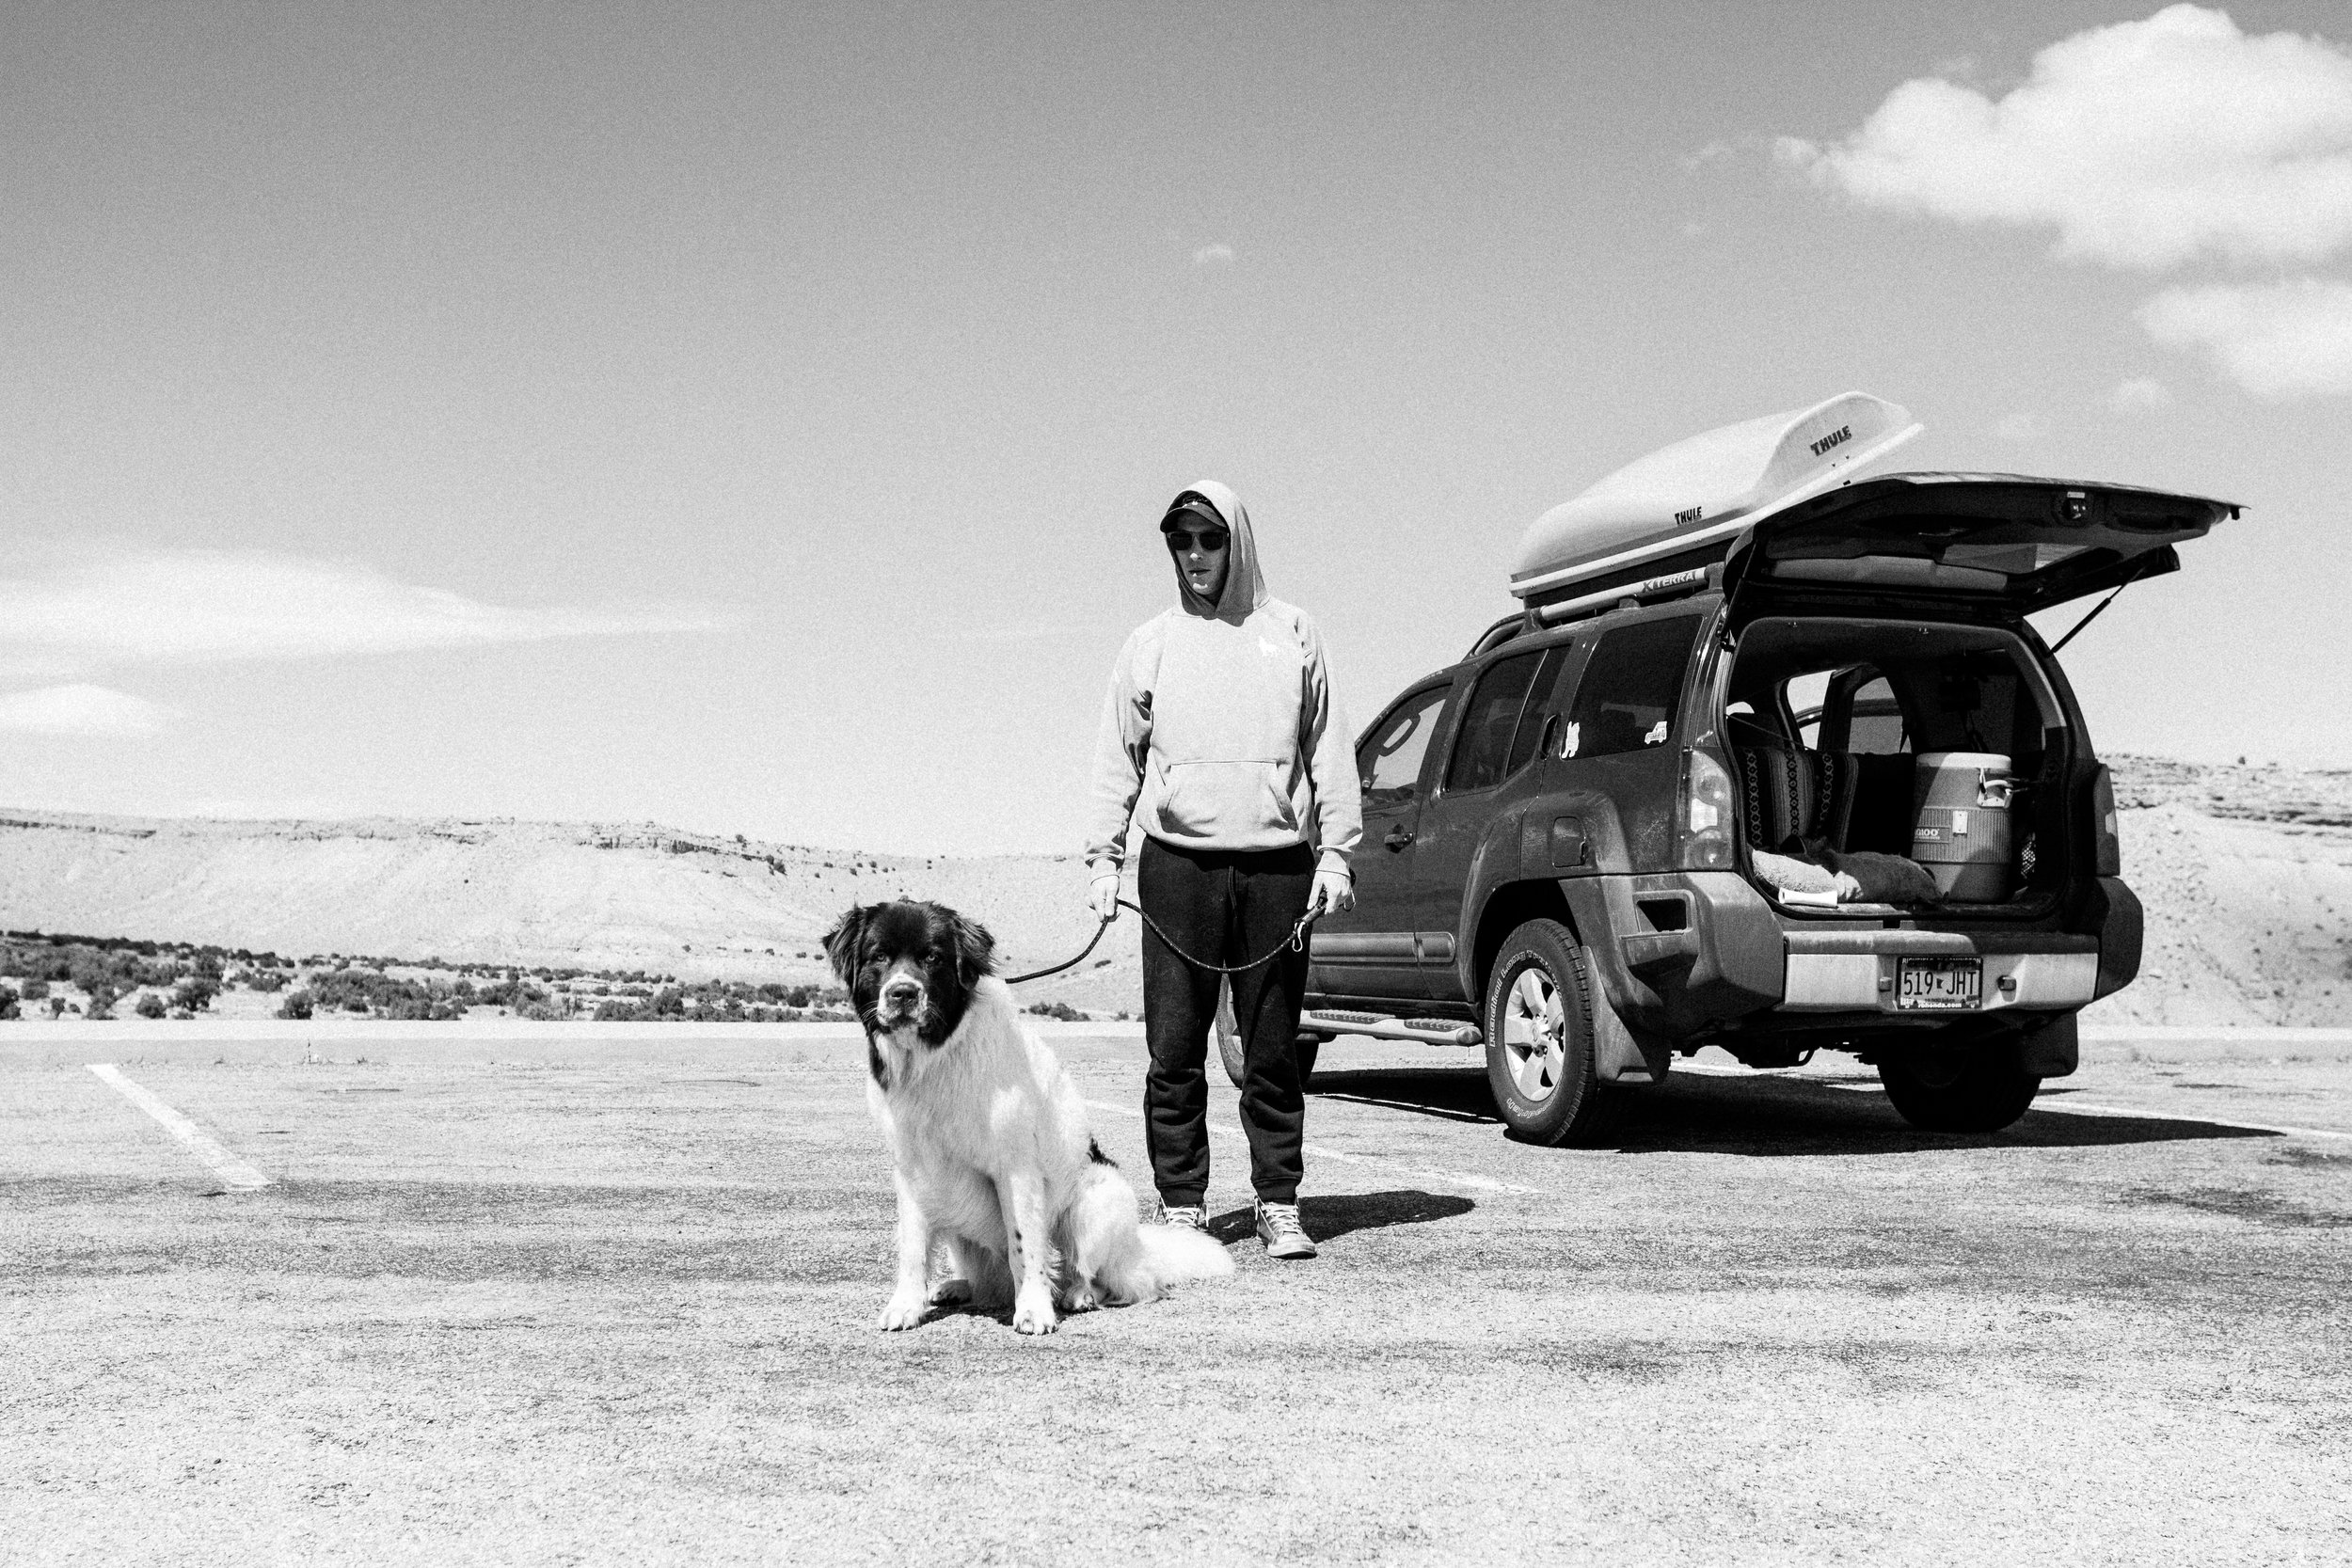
<point>1184,1216</point>
<point>1279,1229</point>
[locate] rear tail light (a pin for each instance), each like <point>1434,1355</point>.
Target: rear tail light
<point>1706,811</point>
<point>2107,858</point>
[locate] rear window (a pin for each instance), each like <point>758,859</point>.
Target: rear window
<point>1490,720</point>
<point>1631,687</point>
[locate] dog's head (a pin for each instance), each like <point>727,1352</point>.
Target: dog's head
<point>909,966</point>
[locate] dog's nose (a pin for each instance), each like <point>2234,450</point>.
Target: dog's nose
<point>903,993</point>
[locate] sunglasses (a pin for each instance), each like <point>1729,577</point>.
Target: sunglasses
<point>1209,542</point>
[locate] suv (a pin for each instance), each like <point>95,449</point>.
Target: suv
<point>1569,836</point>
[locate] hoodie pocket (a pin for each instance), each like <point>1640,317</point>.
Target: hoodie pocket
<point>1231,801</point>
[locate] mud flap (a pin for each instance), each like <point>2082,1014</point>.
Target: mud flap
<point>1619,1056</point>
<point>2053,1050</point>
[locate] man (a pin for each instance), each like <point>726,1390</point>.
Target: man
<point>1221,718</point>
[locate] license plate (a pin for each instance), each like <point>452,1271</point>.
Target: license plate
<point>1939,984</point>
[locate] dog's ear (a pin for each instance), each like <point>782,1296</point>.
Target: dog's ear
<point>975,950</point>
<point>842,942</point>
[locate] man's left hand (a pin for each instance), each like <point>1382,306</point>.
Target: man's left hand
<point>1334,892</point>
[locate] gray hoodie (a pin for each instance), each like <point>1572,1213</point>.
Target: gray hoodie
<point>1221,718</point>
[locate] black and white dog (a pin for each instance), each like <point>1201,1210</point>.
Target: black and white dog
<point>995,1167</point>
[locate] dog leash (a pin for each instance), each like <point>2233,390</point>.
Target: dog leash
<point>1294,942</point>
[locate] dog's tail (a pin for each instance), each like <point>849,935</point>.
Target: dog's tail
<point>1175,1254</point>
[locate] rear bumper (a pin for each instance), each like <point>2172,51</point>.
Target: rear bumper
<point>1687,950</point>
<point>2054,972</point>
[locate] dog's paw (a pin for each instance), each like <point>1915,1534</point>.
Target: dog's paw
<point>1082,1299</point>
<point>951,1292</point>
<point>903,1310</point>
<point>1035,1315</point>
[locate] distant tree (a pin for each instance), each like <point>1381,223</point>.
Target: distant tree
<point>150,1004</point>
<point>7,1002</point>
<point>296,1003</point>
<point>196,992</point>
<point>102,994</point>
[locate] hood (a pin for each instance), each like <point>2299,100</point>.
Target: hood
<point>1245,588</point>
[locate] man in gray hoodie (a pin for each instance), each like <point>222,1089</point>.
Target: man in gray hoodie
<point>1221,718</point>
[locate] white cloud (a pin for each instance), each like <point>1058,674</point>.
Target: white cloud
<point>80,710</point>
<point>2137,393</point>
<point>2275,340</point>
<point>2146,144</point>
<point>195,607</point>
<point>1213,255</point>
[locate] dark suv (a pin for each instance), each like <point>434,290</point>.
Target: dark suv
<point>1563,833</point>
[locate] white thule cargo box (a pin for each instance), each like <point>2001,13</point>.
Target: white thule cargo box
<point>1669,516</point>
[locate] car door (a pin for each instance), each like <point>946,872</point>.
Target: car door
<point>1614,761</point>
<point>1368,951</point>
<point>1493,743</point>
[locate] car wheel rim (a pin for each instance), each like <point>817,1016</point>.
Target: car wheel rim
<point>1533,1029</point>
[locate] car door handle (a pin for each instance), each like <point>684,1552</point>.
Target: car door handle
<point>1399,836</point>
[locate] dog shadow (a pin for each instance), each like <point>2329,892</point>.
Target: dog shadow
<point>1329,1219</point>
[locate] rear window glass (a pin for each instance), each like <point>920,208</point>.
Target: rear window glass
<point>1489,722</point>
<point>1541,709</point>
<point>1631,687</point>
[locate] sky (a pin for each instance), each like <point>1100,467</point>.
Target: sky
<point>756,419</point>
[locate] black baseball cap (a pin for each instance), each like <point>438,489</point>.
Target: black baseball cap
<point>1189,507</point>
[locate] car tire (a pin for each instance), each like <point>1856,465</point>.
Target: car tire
<point>1979,1089</point>
<point>1228,1042</point>
<point>1538,1025</point>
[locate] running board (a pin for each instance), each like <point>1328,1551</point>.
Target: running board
<point>1427,1031</point>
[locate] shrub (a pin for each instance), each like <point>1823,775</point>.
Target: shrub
<point>1060,1012</point>
<point>269,982</point>
<point>195,993</point>
<point>34,990</point>
<point>296,1005</point>
<point>102,1001</point>
<point>7,1002</point>
<point>149,1004</point>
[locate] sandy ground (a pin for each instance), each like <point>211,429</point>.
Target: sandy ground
<point>604,1297</point>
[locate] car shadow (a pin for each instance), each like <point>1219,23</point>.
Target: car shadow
<point>1327,1218</point>
<point>1762,1116</point>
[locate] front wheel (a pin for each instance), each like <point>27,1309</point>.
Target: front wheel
<point>1230,1049</point>
<point>1538,1022</point>
<point>1944,1090</point>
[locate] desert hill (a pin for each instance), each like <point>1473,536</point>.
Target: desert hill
<point>2246,873</point>
<point>529,893</point>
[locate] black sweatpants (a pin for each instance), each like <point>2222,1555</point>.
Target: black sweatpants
<point>1228,907</point>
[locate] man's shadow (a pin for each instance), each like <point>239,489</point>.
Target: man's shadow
<point>1329,1219</point>
<point>1768,1115</point>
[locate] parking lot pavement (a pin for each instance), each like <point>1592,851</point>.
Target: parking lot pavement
<point>529,1299</point>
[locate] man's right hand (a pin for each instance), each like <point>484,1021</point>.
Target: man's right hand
<point>1103,896</point>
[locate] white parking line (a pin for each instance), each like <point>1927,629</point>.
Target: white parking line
<point>232,1171</point>
<point>1443,1178</point>
<point>2064,1108</point>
